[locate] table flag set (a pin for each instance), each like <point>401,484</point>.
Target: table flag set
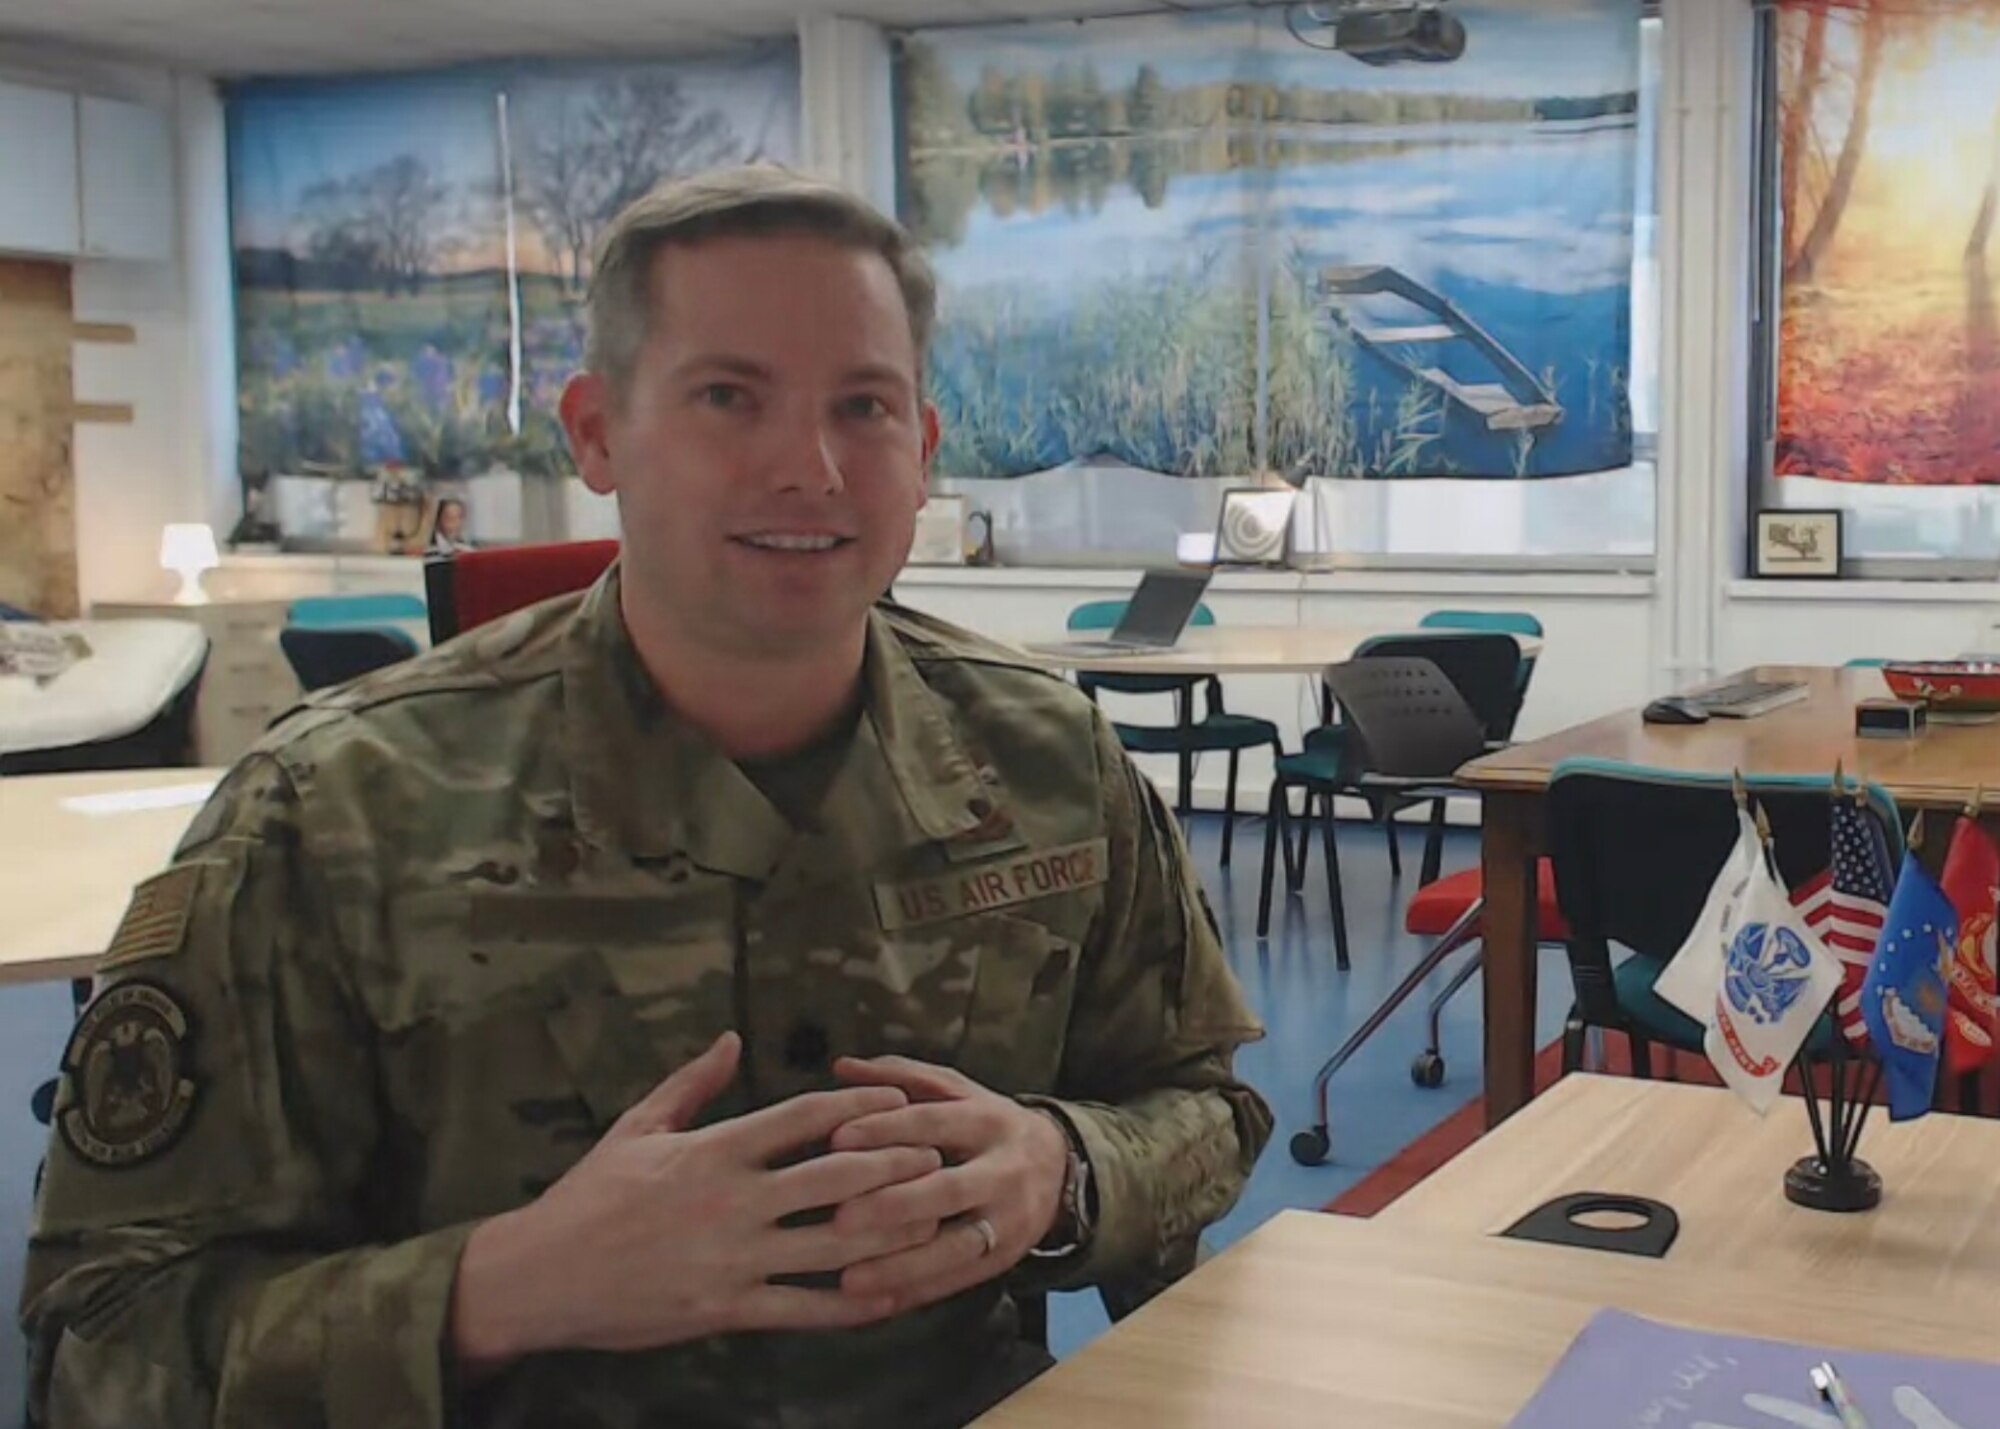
<point>1904,958</point>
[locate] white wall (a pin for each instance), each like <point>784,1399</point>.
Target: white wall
<point>131,480</point>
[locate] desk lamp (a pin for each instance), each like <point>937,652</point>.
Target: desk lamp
<point>188,548</point>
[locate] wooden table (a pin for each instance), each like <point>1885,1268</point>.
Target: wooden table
<point>1237,650</point>
<point>1938,770</point>
<point>67,869</point>
<point>1317,1321</point>
<point>1721,1166</point>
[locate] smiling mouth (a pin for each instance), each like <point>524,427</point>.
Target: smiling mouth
<point>793,545</point>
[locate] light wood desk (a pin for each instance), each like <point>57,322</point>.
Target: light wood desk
<point>1938,770</point>
<point>1317,1321</point>
<point>66,871</point>
<point>1721,1167</point>
<point>1235,650</point>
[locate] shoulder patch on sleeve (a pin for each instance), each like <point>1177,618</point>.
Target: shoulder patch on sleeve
<point>126,1094</point>
<point>156,918</point>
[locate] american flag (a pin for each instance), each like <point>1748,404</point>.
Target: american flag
<point>1846,906</point>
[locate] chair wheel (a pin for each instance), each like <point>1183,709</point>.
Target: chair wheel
<point>1428,1070</point>
<point>1311,1148</point>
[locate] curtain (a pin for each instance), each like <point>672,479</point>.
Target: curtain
<point>1889,162</point>
<point>411,251</point>
<point>1300,238</point>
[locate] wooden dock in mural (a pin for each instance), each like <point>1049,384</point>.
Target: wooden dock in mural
<point>1517,401</point>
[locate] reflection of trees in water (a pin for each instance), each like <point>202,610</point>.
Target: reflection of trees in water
<point>944,187</point>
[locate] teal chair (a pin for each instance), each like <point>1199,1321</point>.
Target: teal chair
<point>1644,893</point>
<point>1217,731</point>
<point>1483,666</point>
<point>323,612</point>
<point>1504,622</point>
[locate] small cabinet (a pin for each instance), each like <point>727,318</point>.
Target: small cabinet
<point>127,180</point>
<point>39,207</point>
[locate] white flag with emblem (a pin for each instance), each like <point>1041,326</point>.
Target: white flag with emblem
<point>1776,980</point>
<point>1690,980</point>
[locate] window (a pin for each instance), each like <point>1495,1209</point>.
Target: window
<point>1878,384</point>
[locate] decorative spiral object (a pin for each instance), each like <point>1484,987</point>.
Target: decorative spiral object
<point>1247,535</point>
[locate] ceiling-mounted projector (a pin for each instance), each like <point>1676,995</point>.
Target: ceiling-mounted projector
<point>1419,31</point>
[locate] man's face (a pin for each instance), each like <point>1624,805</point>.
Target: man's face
<point>773,450</point>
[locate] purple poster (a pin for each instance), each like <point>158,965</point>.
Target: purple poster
<point>1627,1373</point>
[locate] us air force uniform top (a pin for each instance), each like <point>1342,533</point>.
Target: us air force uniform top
<point>440,928</point>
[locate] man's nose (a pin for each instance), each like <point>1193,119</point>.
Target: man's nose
<point>808,459</point>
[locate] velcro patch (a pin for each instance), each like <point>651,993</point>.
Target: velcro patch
<point>155,919</point>
<point>1038,873</point>
<point>126,1094</point>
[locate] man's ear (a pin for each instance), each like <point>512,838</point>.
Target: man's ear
<point>933,437</point>
<point>586,417</point>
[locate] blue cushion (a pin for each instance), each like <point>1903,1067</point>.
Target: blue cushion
<point>329,611</point>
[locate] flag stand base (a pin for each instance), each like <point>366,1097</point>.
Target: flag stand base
<point>1851,1186</point>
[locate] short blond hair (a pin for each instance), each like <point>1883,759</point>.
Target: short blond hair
<point>750,201</point>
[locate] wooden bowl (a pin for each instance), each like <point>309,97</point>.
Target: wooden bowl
<point>1946,684</point>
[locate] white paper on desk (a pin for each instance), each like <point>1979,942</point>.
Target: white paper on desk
<point>131,801</point>
<point>1690,980</point>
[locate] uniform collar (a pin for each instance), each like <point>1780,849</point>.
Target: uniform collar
<point>644,781</point>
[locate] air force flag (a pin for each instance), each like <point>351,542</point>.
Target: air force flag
<point>1776,980</point>
<point>1905,996</point>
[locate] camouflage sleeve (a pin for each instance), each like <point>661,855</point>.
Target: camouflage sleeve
<point>1147,1081</point>
<point>202,1250</point>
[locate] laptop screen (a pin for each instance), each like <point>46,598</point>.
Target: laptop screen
<point>1160,607</point>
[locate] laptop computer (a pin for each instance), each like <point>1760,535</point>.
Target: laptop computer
<point>1154,618</point>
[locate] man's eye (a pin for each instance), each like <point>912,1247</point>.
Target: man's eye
<point>724,396</point>
<point>866,407</point>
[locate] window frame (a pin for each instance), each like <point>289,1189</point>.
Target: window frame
<point>1766,322</point>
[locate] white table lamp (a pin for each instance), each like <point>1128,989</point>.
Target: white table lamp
<point>189,549</point>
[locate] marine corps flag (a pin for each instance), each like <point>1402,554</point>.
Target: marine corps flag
<point>1972,883</point>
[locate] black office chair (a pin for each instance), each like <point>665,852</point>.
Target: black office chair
<point>1216,731</point>
<point>1410,730</point>
<point>333,656</point>
<point>1635,853</point>
<point>1484,668</point>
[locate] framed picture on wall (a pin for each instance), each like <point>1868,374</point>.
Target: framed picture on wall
<point>1797,545</point>
<point>1256,526</point>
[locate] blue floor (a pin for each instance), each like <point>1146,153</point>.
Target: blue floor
<point>1291,981</point>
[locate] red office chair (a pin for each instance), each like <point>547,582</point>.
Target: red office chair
<point>470,588</point>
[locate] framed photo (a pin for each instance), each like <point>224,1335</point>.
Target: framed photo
<point>1256,526</point>
<point>1797,545</point>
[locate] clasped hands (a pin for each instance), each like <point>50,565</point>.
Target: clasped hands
<point>663,1233</point>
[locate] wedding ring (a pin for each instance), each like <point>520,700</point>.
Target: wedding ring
<point>988,1237</point>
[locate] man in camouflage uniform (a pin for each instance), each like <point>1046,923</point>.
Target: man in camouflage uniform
<point>709,999</point>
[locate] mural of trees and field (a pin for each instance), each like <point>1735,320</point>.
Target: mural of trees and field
<point>1206,243</point>
<point>376,320</point>
<point>1889,133</point>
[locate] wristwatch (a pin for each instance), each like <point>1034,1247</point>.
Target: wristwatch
<point>1074,1220</point>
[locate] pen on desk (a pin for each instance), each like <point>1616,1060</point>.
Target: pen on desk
<point>1827,1381</point>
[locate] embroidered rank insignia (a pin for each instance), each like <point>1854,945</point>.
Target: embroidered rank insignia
<point>155,919</point>
<point>1038,873</point>
<point>126,1094</point>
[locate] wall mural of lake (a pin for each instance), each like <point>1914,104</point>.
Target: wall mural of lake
<point>376,319</point>
<point>1207,244</point>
